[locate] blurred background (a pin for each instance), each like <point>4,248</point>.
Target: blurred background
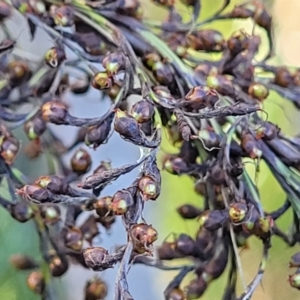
<point>146,283</point>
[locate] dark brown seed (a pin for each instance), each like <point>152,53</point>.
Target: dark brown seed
<point>142,111</point>
<point>18,72</point>
<point>97,135</point>
<point>185,245</point>
<point>163,73</point>
<point>58,266</point>
<point>53,183</point>
<point>294,280</point>
<point>196,288</point>
<point>250,145</point>
<point>143,236</point>
<point>63,16</point>
<point>102,81</point>
<point>113,63</point>
<point>167,251</point>
<point>95,289</point>
<point>95,257</point>
<point>34,192</point>
<point>81,161</point>
<point>73,238</point>
<point>283,77</point>
<point>9,149</point>
<point>188,211</point>
<point>150,189</point>
<point>121,201</point>
<point>23,262</point>
<point>238,211</point>
<point>102,206</point>
<point>55,56</point>
<point>35,127</point>
<point>258,91</point>
<point>50,213</point>
<point>176,294</point>
<point>22,212</point>
<point>215,268</point>
<point>36,282</point>
<point>238,42</point>
<point>175,165</point>
<point>214,219</point>
<point>200,97</point>
<point>130,8</point>
<point>207,40</point>
<point>54,112</point>
<point>126,125</point>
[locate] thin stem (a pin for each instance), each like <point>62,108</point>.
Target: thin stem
<point>233,240</point>
<point>121,287</point>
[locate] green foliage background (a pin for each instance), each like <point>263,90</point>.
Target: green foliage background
<point>179,190</point>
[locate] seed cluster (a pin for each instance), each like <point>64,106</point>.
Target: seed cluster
<point>211,110</point>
